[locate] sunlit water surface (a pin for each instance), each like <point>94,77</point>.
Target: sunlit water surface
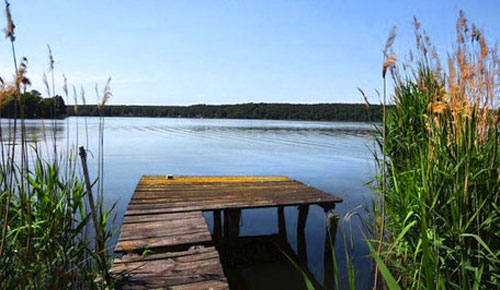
<point>335,157</point>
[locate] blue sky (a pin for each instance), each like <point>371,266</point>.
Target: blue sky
<point>227,51</point>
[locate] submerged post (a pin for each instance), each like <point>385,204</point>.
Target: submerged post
<point>301,234</point>
<point>281,223</point>
<point>95,219</point>
<point>217,224</point>
<point>331,231</point>
<point>83,157</point>
<point>232,222</point>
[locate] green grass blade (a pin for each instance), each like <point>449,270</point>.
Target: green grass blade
<point>307,280</point>
<point>389,279</point>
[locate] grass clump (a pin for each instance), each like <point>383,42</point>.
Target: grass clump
<point>48,239</point>
<point>440,209</point>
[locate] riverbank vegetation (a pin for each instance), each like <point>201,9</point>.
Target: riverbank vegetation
<point>439,210</point>
<point>50,237</point>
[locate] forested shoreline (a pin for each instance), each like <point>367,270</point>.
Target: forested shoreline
<point>274,111</point>
<point>35,106</point>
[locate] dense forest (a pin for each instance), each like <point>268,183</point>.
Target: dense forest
<point>315,112</point>
<point>36,107</point>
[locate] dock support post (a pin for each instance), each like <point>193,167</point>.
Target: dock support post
<point>301,234</point>
<point>331,231</point>
<point>281,223</point>
<point>232,222</point>
<point>217,224</point>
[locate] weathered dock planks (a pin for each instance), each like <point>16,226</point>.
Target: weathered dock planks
<point>157,194</point>
<point>164,237</point>
<point>195,268</point>
<point>139,233</point>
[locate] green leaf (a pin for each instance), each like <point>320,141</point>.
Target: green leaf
<point>309,284</point>
<point>389,280</point>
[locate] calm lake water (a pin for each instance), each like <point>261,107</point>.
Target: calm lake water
<point>335,157</point>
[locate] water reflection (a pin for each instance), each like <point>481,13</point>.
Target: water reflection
<point>35,130</point>
<point>262,261</point>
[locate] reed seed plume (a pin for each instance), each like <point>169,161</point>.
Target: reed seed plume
<point>75,99</point>
<point>82,96</point>
<point>388,63</point>
<point>51,58</point>
<point>390,41</point>
<point>65,86</point>
<point>106,94</point>
<point>367,104</point>
<point>484,46</point>
<point>9,30</point>
<point>21,82</point>
<point>46,83</point>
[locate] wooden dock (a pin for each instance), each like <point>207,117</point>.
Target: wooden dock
<point>165,241</point>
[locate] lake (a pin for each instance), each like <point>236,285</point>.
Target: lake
<point>335,157</point>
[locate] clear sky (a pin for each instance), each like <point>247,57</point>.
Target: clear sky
<point>227,51</point>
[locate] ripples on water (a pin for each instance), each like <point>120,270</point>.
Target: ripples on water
<point>335,157</point>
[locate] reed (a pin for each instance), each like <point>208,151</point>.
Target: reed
<point>46,237</point>
<point>440,215</point>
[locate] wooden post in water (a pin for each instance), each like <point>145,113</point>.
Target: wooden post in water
<point>301,234</point>
<point>282,223</point>
<point>217,224</point>
<point>95,218</point>
<point>232,222</point>
<point>235,223</point>
<point>331,231</point>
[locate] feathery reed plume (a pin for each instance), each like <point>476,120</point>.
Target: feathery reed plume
<point>65,86</point>
<point>21,81</point>
<point>9,30</point>
<point>75,99</point>
<point>51,58</point>
<point>389,62</point>
<point>106,94</point>
<point>82,96</point>
<point>484,47</point>
<point>367,104</point>
<point>46,84</point>
<point>390,41</point>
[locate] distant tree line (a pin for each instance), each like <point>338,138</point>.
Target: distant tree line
<point>35,107</point>
<point>315,112</point>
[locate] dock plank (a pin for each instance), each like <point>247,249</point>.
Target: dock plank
<point>195,268</point>
<point>188,228</point>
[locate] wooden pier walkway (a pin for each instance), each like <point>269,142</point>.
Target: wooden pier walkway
<point>165,241</point>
